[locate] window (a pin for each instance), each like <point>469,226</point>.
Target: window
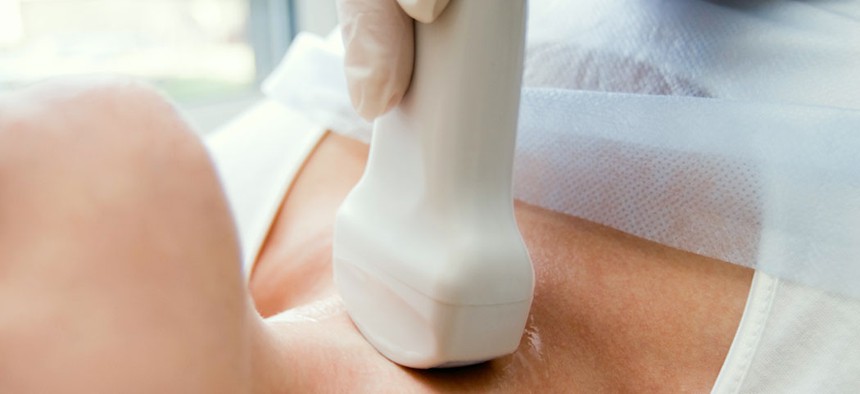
<point>200,52</point>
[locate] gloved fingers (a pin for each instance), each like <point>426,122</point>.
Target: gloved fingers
<point>425,11</point>
<point>379,46</point>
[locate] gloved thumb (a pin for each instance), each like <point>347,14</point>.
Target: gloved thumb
<point>379,47</point>
<point>425,11</point>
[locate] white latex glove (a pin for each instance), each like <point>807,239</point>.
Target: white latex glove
<point>379,43</point>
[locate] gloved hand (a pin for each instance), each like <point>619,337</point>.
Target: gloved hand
<point>379,41</point>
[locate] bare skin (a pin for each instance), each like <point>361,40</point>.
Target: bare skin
<point>118,259</point>
<point>612,312</point>
<point>115,234</point>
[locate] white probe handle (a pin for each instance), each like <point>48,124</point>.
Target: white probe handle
<point>461,108</point>
<point>427,254</point>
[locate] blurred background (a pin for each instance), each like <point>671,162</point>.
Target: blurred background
<point>208,55</point>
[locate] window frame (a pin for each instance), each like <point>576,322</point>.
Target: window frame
<point>272,26</point>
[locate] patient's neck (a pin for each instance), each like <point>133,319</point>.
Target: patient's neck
<point>611,312</point>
